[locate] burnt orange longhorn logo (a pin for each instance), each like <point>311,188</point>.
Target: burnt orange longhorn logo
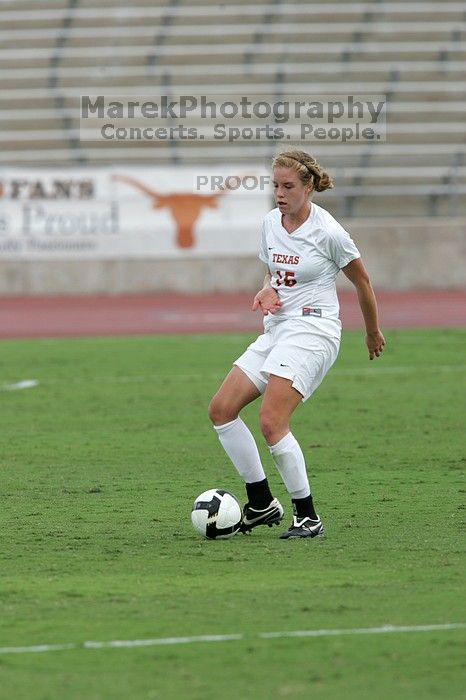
<point>185,207</point>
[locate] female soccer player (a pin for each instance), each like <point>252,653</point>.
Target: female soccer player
<point>304,248</point>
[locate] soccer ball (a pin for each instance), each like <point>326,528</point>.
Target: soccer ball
<point>216,514</point>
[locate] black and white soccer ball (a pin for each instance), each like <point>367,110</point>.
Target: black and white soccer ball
<point>216,514</point>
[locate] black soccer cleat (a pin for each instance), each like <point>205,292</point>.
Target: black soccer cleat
<point>252,517</point>
<point>304,527</point>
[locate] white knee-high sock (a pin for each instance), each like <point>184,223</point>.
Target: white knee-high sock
<point>240,446</point>
<point>289,460</point>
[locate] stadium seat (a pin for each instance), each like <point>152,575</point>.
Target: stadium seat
<point>414,53</point>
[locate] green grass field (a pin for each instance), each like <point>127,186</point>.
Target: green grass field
<point>101,462</point>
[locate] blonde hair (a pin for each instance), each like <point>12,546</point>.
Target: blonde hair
<point>308,169</point>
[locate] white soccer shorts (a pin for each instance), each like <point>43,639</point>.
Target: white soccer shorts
<point>292,350</point>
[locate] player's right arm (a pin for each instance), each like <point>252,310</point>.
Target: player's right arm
<point>267,299</point>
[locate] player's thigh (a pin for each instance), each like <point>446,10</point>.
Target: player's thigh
<point>235,392</point>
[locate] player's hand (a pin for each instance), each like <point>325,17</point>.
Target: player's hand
<point>267,300</point>
<point>375,344</point>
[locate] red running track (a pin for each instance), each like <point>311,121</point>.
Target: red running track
<point>34,317</point>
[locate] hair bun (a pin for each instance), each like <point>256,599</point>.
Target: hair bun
<point>308,169</point>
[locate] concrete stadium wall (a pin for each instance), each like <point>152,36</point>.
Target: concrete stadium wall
<point>413,253</point>
<point>409,254</point>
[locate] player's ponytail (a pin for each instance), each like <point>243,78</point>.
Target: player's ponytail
<point>308,169</point>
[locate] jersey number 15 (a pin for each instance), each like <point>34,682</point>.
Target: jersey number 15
<point>286,277</point>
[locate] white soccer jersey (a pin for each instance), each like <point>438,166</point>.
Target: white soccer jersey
<point>304,265</point>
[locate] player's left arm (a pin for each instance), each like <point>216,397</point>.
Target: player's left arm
<point>357,274</point>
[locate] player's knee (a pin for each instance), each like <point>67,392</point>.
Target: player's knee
<point>214,411</point>
<point>220,412</point>
<point>270,425</point>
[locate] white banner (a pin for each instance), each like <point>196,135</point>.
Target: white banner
<point>132,212</point>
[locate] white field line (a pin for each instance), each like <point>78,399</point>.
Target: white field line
<point>373,371</point>
<point>167,641</point>
<point>17,386</point>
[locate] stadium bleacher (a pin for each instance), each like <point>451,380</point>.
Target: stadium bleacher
<point>412,52</point>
